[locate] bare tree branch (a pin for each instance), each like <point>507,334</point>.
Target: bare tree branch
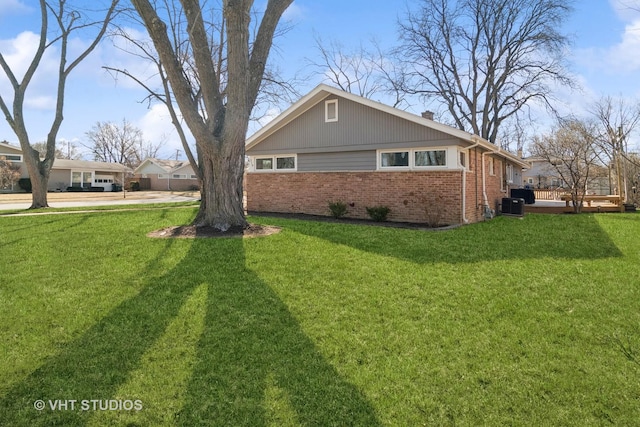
<point>484,61</point>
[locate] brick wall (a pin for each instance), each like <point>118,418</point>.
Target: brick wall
<point>495,189</point>
<point>412,196</point>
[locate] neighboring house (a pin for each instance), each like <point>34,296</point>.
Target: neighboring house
<point>177,175</point>
<point>70,173</point>
<point>335,146</point>
<point>544,175</point>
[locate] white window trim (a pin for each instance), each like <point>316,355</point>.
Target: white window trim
<point>256,158</point>
<point>394,168</point>
<point>82,172</point>
<point>274,162</point>
<point>450,152</point>
<point>466,159</point>
<point>326,110</point>
<point>492,168</point>
<point>416,167</point>
<point>4,156</point>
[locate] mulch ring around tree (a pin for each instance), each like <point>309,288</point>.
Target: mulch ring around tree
<point>193,232</point>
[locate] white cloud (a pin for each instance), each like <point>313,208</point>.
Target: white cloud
<point>18,53</point>
<point>626,10</point>
<point>40,102</point>
<point>625,56</point>
<point>156,126</point>
<point>616,60</point>
<point>115,52</point>
<point>294,12</point>
<point>8,7</point>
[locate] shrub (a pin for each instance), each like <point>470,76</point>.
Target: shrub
<point>338,209</point>
<point>25,184</point>
<point>134,186</point>
<point>433,205</point>
<point>379,213</point>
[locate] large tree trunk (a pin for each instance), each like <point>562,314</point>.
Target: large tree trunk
<point>227,97</point>
<point>221,193</point>
<point>39,175</point>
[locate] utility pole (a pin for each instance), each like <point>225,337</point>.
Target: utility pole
<point>617,152</point>
<point>623,139</point>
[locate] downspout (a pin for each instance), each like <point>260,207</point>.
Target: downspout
<point>485,199</point>
<point>465,220</point>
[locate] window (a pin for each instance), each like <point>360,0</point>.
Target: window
<point>285,162</point>
<point>81,179</point>
<point>430,158</point>
<point>529,180</point>
<point>463,159</point>
<point>418,159</point>
<point>492,170</point>
<point>509,174</point>
<point>331,111</point>
<point>393,160</point>
<point>264,164</point>
<point>11,157</point>
<point>194,177</point>
<point>163,176</point>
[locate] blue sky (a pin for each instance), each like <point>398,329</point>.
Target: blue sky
<point>605,59</point>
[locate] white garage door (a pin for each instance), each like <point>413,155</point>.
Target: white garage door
<point>105,181</point>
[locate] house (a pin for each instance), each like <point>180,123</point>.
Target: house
<point>158,175</point>
<point>69,173</point>
<point>543,175</point>
<point>335,146</point>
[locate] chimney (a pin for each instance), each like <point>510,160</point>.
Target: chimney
<point>428,115</point>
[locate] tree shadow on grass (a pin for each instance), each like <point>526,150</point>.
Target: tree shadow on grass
<point>250,346</point>
<point>535,236</point>
<point>253,357</point>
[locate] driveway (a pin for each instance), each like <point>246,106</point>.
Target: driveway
<point>62,200</point>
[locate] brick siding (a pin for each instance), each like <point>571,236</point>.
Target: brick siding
<point>412,196</point>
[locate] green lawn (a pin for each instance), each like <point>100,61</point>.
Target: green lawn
<point>509,322</point>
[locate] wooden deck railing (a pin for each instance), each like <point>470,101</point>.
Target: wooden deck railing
<point>548,194</point>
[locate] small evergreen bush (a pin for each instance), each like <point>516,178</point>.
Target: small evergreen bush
<point>338,209</point>
<point>379,213</point>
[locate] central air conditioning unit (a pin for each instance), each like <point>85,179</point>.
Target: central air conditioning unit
<point>512,206</point>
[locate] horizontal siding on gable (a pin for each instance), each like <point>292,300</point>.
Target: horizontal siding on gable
<point>9,150</point>
<point>358,127</point>
<point>337,161</point>
<point>151,168</point>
